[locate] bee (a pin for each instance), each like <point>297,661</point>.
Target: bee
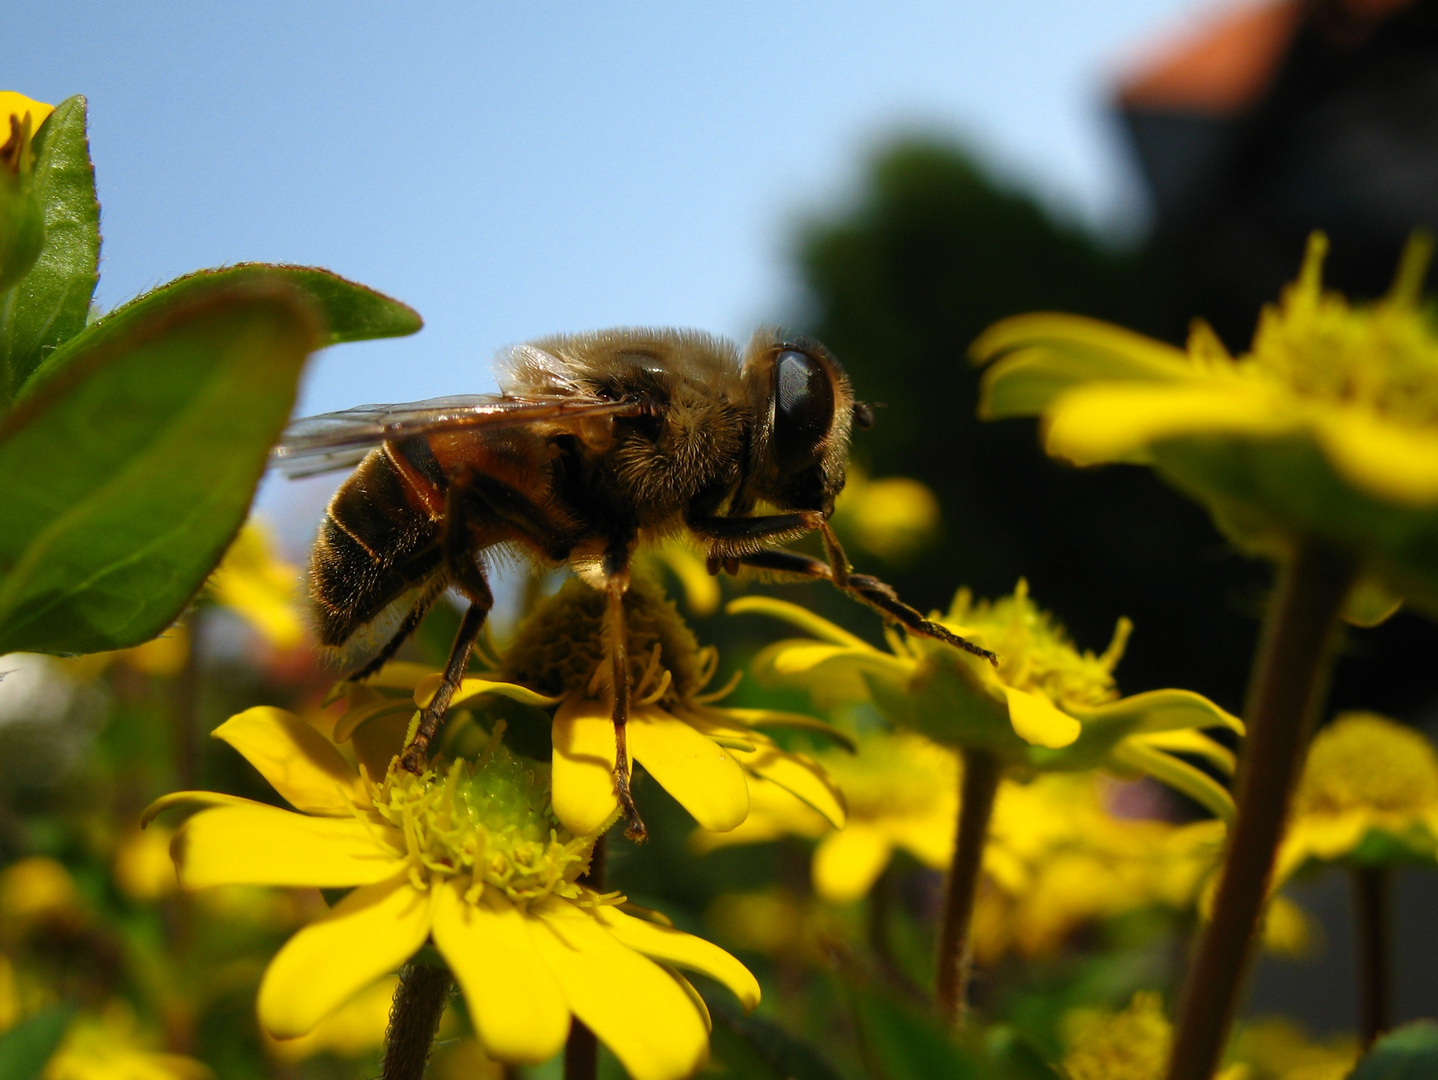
<point>596,444</point>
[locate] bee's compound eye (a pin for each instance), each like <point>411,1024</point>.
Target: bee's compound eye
<point>803,409</point>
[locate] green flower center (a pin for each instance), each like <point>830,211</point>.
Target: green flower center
<point>1034,650</point>
<point>490,821</point>
<point>560,647</point>
<point>1363,761</point>
<point>1382,356</point>
<point>1130,1045</point>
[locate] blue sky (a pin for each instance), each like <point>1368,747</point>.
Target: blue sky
<point>519,169</point>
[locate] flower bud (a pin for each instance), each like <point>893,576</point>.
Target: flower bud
<point>22,218</point>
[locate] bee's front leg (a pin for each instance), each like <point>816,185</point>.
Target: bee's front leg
<point>862,587</point>
<point>616,641</point>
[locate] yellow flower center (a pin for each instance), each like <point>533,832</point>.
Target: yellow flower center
<point>1035,652</point>
<point>1130,1045</point>
<point>560,648</point>
<point>1382,356</point>
<point>1363,761</point>
<point>490,821</point>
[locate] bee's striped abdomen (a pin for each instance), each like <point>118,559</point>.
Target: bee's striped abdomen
<point>375,544</point>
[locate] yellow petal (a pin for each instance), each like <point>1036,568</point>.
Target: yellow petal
<point>583,775</point>
<point>473,688</point>
<point>1395,462</point>
<point>670,946</point>
<point>1161,710</point>
<point>800,617</point>
<point>515,1004</point>
<point>299,762</point>
<point>701,775</point>
<point>264,845</point>
<point>847,863</point>
<point>764,718</point>
<point>801,776</point>
<point>1037,722</point>
<point>797,657</point>
<point>16,104</point>
<point>192,798</point>
<point>1110,422</point>
<point>367,934</point>
<point>628,1001</point>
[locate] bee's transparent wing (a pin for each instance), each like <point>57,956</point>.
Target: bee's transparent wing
<point>339,440</point>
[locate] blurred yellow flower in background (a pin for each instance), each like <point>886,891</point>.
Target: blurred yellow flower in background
<point>355,1029</point>
<point>263,589</point>
<point>1047,706</point>
<point>895,517</point>
<point>109,1046</point>
<point>142,866</point>
<point>1327,428</point>
<point>470,856</point>
<point>1131,1044</point>
<point>1368,796</point>
<point>1276,1049</point>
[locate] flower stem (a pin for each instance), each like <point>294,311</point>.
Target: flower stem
<point>1289,684</point>
<point>1370,905</point>
<point>581,1050</point>
<point>977,790</point>
<point>419,1002</point>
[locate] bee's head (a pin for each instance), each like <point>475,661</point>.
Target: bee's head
<point>805,410</point>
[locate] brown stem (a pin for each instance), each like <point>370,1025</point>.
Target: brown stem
<point>977,791</point>
<point>414,1015</point>
<point>581,1050</point>
<point>1288,686</point>
<point>1370,906</point>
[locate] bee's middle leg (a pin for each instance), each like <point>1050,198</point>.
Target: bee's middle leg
<point>616,639</point>
<point>467,576</point>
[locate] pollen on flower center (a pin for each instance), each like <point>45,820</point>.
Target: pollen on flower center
<point>1363,761</point>
<point>1383,356</point>
<point>489,821</point>
<point>561,645</point>
<point>1034,650</point>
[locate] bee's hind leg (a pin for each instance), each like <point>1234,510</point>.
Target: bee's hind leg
<point>616,640</point>
<point>862,587</point>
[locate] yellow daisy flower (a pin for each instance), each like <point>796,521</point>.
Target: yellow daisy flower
<point>707,757</point>
<point>22,218</point>
<point>1326,429</point>
<point>894,517</point>
<point>109,1047</point>
<point>1368,796</point>
<point>1131,1044</point>
<point>469,858</point>
<point>261,588</point>
<point>1045,707</point>
<point>1277,1049</point>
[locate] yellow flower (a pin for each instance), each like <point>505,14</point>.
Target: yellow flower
<point>34,889</point>
<point>1327,428</point>
<point>355,1029</point>
<point>142,867</point>
<point>706,757</point>
<point>1055,858</point>
<point>895,518</point>
<point>108,1047</point>
<point>18,105</point>
<point>22,216</point>
<point>469,858</point>
<point>1046,707</point>
<point>1277,1049</point>
<point>260,587</point>
<point>1132,1044</point>
<point>1368,795</point>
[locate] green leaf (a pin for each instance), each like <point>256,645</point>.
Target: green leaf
<point>759,1049</point>
<point>127,474</point>
<point>51,303</point>
<point>904,1043</point>
<point>348,311</point>
<point>1410,1053</point>
<point>28,1046</point>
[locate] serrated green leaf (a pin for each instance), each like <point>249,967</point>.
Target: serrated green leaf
<point>51,303</point>
<point>1410,1053</point>
<point>127,474</point>
<point>348,310</point>
<point>28,1046</point>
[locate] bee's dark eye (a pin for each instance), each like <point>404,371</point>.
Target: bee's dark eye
<point>803,409</point>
